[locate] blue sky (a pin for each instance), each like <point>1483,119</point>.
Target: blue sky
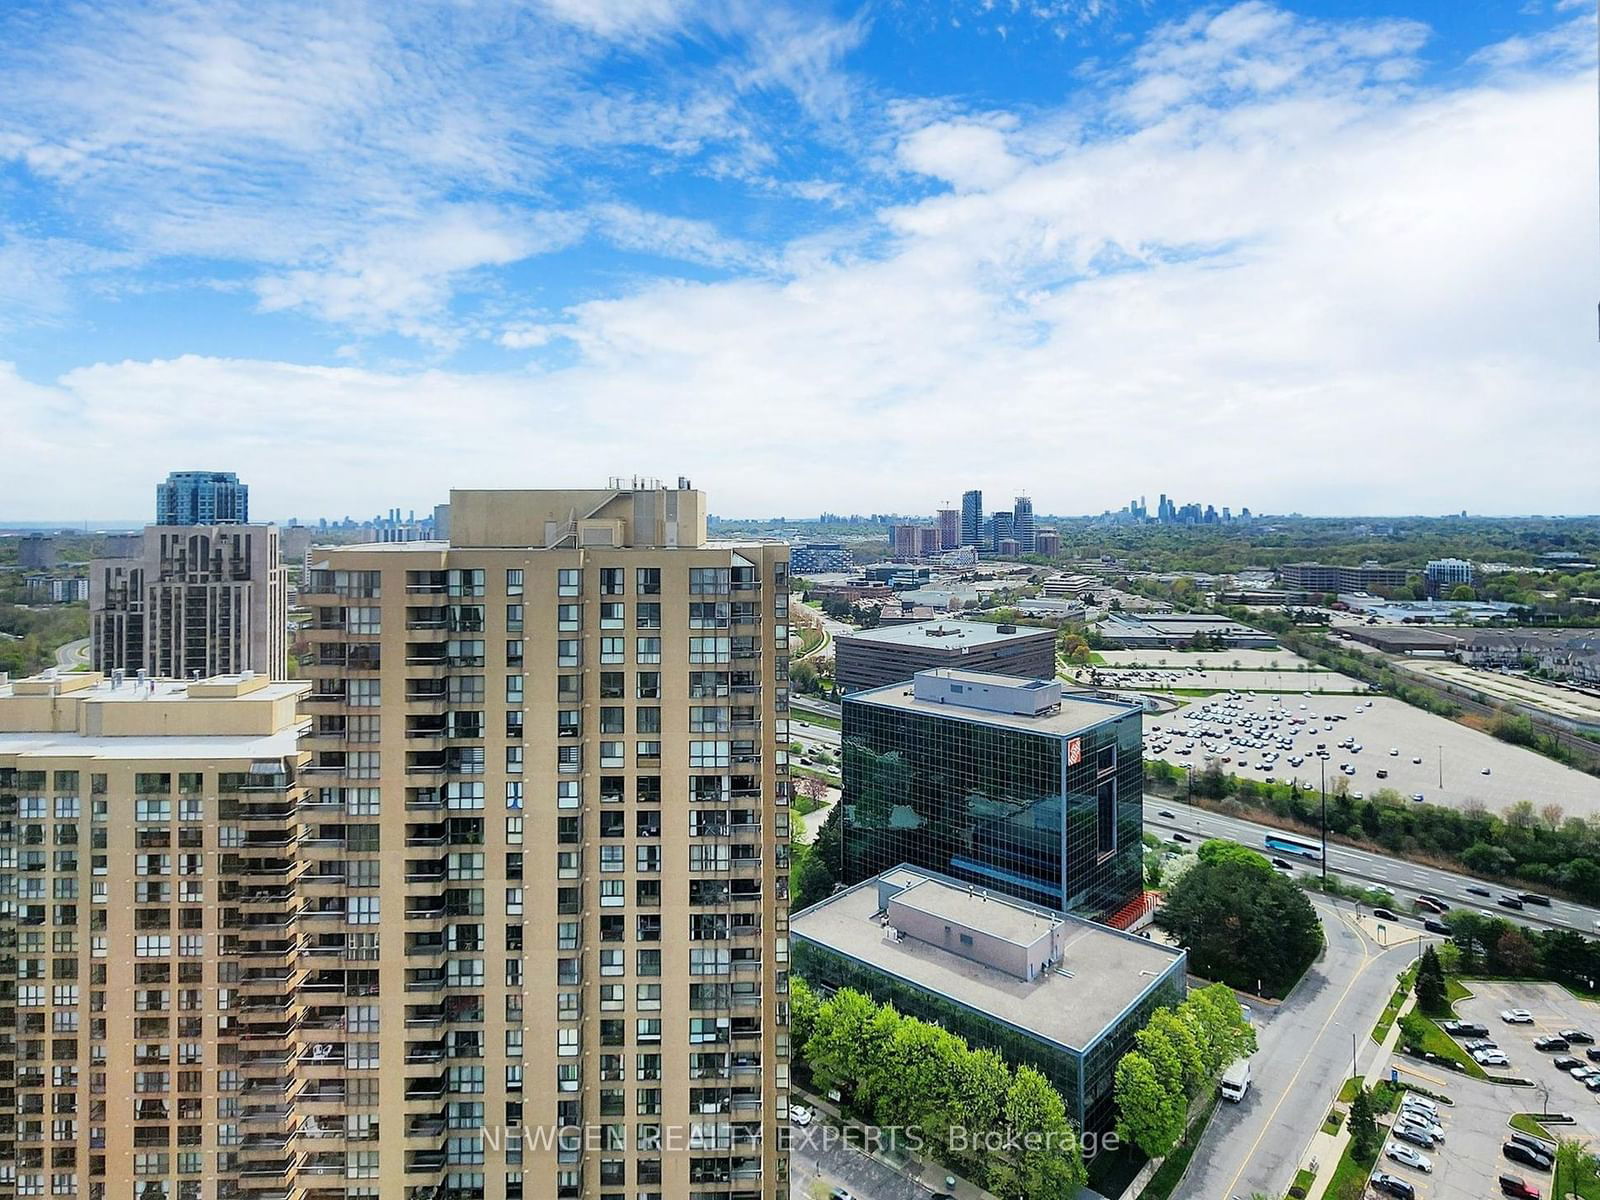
<point>1332,257</point>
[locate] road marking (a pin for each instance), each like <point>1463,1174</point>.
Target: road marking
<point>1366,961</point>
<point>1401,1065</point>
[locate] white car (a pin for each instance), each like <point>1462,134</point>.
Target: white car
<point>1517,1016</point>
<point>1416,758</point>
<point>1408,1157</point>
<point>1486,771</point>
<point>1420,1104</point>
<point>800,1114</point>
<point>1490,1058</point>
<point>1394,751</point>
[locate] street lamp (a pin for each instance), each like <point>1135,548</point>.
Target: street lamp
<point>1324,764</point>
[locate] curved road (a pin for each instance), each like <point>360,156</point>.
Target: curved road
<point>1304,1056</point>
<point>73,654</point>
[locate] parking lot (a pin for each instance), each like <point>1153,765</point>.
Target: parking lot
<point>1477,1124</point>
<point>1455,753</point>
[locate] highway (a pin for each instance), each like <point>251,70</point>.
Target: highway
<point>1404,879</point>
<point>73,654</point>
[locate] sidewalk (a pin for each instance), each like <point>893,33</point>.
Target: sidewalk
<point>1327,1148</point>
<point>931,1176</point>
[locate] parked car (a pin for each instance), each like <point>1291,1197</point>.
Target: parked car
<point>1393,1185</point>
<point>800,1114</point>
<point>1518,1153</point>
<point>1414,1134</point>
<point>1550,1042</point>
<point>1537,1145</point>
<point>1465,1029</point>
<point>1477,1044</point>
<point>1417,1119</point>
<point>1516,1186</point>
<point>1578,1037</point>
<point>1565,1062</point>
<point>1408,1157</point>
<point>1420,1104</point>
<point>1517,1016</point>
<point>1490,1058</point>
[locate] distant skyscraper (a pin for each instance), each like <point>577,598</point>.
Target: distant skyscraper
<point>949,520</point>
<point>202,498</point>
<point>1002,529</point>
<point>1022,524</point>
<point>972,518</point>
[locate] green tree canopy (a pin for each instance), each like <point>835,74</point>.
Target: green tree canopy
<point>1149,1114</point>
<point>1242,926</point>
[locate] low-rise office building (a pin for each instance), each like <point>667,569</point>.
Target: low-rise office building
<point>1325,577</point>
<point>1174,631</point>
<point>1056,992</point>
<point>1014,785</point>
<point>875,657</point>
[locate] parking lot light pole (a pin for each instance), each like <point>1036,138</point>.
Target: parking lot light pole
<point>1324,763</point>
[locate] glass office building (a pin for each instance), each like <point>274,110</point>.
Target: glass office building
<point>1005,783</point>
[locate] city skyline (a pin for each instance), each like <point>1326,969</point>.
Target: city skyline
<point>874,219</point>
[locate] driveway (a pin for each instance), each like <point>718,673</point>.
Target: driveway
<point>818,1154</point>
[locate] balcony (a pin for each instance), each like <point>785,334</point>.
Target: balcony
<point>425,1089</point>
<point>426,1125</point>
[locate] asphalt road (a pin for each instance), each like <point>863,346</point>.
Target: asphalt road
<point>72,654</point>
<point>1304,1056</point>
<point>820,734</point>
<point>1401,877</point>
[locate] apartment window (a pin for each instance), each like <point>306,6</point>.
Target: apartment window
<point>363,620</point>
<point>647,963</point>
<point>361,910</point>
<point>513,581</point>
<point>567,1044</point>
<point>569,652</point>
<point>649,685</point>
<point>514,757</point>
<point>710,649</point>
<point>647,720</point>
<point>647,1031</point>
<point>647,616</point>
<point>647,581</point>
<point>514,653</point>
<point>514,831</point>
<point>513,618</point>
<point>612,581</point>
<point>569,618</point>
<point>611,720</point>
<point>613,754</point>
<point>513,689</point>
<point>613,650</point>
<point>513,902</point>
<point>465,582</point>
<point>569,793</point>
<point>648,997</point>
<point>361,693</point>
<point>649,649</point>
<point>704,581</point>
<point>613,615</point>
<point>569,582</point>
<point>613,892</point>
<point>613,962</point>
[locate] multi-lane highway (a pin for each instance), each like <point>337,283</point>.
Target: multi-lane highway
<point>1405,879</point>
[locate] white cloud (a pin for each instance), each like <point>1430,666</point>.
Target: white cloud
<point>1267,264</point>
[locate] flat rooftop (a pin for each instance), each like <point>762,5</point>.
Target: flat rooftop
<point>129,691</point>
<point>1078,710</point>
<point>178,747</point>
<point>943,635</point>
<point>1101,973</point>
<point>972,910</point>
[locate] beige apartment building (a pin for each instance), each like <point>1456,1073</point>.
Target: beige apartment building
<point>195,601</point>
<point>549,763</point>
<point>151,1016</point>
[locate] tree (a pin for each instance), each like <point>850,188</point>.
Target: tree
<point>1167,1026</point>
<point>803,1009</point>
<point>1363,1123</point>
<point>1430,986</point>
<point>1577,1170</point>
<point>1241,925</point>
<point>1413,1030</point>
<point>1483,859</point>
<point>1515,953</point>
<point>810,878</point>
<point>1046,1151</point>
<point>1449,958</point>
<point>1149,1114</point>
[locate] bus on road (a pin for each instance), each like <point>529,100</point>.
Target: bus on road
<point>1283,844</point>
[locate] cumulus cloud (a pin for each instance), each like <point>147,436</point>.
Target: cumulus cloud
<point>1265,260</point>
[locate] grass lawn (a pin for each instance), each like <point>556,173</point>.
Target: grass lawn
<point>1392,1009</point>
<point>1525,1123</point>
<point>1166,1178</point>
<point>1437,1041</point>
<point>1350,1176</point>
<point>1455,990</point>
<point>1303,1180</point>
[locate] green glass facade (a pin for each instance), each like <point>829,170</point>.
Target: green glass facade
<point>1018,810</point>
